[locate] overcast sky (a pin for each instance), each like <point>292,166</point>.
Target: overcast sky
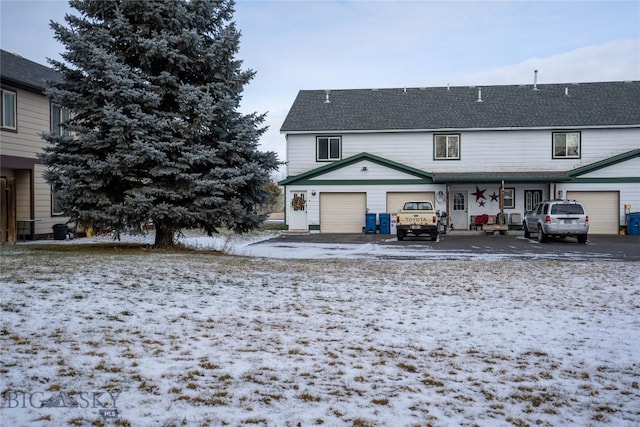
<point>294,45</point>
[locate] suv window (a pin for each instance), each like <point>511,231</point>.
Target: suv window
<point>571,208</point>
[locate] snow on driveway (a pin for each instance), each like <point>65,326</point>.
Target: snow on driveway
<point>199,339</point>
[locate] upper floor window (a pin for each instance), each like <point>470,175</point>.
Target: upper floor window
<point>8,109</point>
<point>59,116</point>
<point>446,147</point>
<point>566,145</point>
<point>328,148</point>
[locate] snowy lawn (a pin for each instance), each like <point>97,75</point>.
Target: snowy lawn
<point>195,338</point>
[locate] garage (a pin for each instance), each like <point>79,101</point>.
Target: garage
<point>396,200</point>
<point>602,207</point>
<point>342,212</point>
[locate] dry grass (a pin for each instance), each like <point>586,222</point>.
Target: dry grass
<point>231,340</point>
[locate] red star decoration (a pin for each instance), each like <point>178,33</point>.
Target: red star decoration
<point>481,203</point>
<point>479,193</point>
<point>494,197</point>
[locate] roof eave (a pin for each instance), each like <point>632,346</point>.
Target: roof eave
<point>512,128</point>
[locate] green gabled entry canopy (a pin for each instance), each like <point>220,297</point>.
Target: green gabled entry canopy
<point>604,163</point>
<point>422,177</point>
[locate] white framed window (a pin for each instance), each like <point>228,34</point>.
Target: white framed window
<point>328,148</point>
<point>55,203</point>
<point>509,198</point>
<point>446,147</point>
<point>8,109</point>
<point>566,145</point>
<point>59,116</point>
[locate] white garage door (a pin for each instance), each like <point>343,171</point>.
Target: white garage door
<point>396,200</point>
<point>342,212</point>
<point>602,207</point>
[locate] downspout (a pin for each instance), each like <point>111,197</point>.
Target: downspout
<point>448,206</point>
<point>502,203</point>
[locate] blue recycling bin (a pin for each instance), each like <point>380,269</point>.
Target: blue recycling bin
<point>370,223</point>
<point>633,224</point>
<point>385,223</point>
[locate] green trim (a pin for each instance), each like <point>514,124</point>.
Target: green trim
<point>605,163</point>
<point>619,180</point>
<point>423,177</point>
<point>314,227</point>
<point>306,176</point>
<point>362,182</point>
<point>507,177</point>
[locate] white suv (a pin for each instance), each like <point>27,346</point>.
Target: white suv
<point>557,218</point>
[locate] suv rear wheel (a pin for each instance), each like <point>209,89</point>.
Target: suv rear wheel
<point>541,236</point>
<point>582,238</point>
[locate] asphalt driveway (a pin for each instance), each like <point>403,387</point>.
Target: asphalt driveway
<point>613,247</point>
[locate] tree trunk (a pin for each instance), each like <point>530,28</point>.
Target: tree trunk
<point>164,236</point>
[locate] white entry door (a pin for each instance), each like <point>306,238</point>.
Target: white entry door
<point>459,212</point>
<point>298,216</point>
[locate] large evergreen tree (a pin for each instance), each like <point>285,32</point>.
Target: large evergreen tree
<point>154,87</point>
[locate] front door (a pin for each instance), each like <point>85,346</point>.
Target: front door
<point>459,216</point>
<point>531,198</point>
<point>298,217</point>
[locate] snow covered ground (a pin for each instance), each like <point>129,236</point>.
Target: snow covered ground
<point>285,336</point>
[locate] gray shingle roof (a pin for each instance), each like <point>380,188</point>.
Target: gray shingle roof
<point>520,106</point>
<point>18,70</point>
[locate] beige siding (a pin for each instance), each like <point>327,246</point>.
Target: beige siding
<point>23,194</point>
<point>42,204</point>
<point>32,119</point>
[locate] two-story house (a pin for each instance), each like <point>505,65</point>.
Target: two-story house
<point>470,150</point>
<point>27,203</point>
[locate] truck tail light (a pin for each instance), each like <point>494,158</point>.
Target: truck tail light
<point>586,218</point>
<point>547,218</point>
<point>398,219</point>
<point>435,219</point>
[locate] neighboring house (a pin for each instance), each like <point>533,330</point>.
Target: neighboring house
<point>27,205</point>
<point>467,149</point>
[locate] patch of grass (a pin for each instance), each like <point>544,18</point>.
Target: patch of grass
<point>205,363</point>
<point>102,366</point>
<point>307,397</point>
<point>255,421</point>
<point>432,382</point>
<point>359,422</point>
<point>383,401</point>
<point>148,387</point>
<point>407,367</point>
<point>217,399</point>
